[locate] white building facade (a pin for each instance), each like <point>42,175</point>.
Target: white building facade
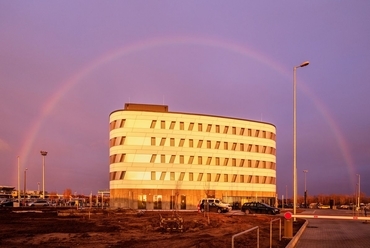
<point>166,160</point>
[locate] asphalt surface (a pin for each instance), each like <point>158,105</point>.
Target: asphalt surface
<point>332,232</point>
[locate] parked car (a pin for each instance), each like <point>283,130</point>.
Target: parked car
<point>259,208</point>
<point>39,203</point>
<point>6,203</point>
<point>214,205</point>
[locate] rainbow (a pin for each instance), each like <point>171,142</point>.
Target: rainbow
<point>125,50</point>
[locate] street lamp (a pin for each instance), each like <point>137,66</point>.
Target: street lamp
<point>295,136</point>
<point>359,191</point>
<point>25,183</point>
<point>305,189</point>
<point>43,154</point>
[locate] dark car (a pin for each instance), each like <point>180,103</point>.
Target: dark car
<point>6,203</point>
<point>259,208</point>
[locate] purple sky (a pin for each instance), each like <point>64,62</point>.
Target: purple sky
<point>65,66</point>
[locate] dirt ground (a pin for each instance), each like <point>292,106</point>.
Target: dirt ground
<point>130,228</point>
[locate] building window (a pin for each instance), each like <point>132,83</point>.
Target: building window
<point>264,149</point>
<point>200,176</point>
<point>241,178</point>
<point>217,161</point>
<point>181,159</point>
<point>181,177</point>
<point>152,159</point>
<point>200,127</point>
<point>200,142</point>
<point>191,158</point>
<point>217,179</point>
<point>226,178</point>
<point>163,141</point>
<point>226,129</point>
<point>191,143</point>
<point>191,126</point>
<point>249,163</point>
<point>257,164</point>
<point>181,143</point>
<point>181,125</point>
<point>157,201</point>
<point>234,178</point>
<point>241,162</point>
<point>264,134</point>
<point>249,132</point>
<point>208,144</point>
<point>250,178</point>
<point>163,175</point>
<point>191,176</point>
<point>226,161</point>
<point>208,177</point>
<point>153,141</point>
<point>242,131</point>
<point>257,148</point>
<point>163,158</point>
<point>234,130</point>
<point>209,159</point>
<point>200,160</point>
<point>172,159</point>
<point>152,125</point>
<point>217,128</point>
<point>163,124</point>
<point>141,201</point>
<point>172,142</point>
<point>257,133</point>
<point>209,127</point>
<point>226,146</point>
<point>242,147</point>
<point>233,147</point>
<point>250,147</point>
<point>172,176</point>
<point>217,146</point>
<point>172,125</point>
<point>122,176</point>
<point>233,162</point>
<point>153,175</point>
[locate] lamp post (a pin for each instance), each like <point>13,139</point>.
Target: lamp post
<point>305,189</point>
<point>295,136</point>
<point>43,154</point>
<point>25,183</point>
<point>19,185</point>
<point>38,188</point>
<point>359,191</point>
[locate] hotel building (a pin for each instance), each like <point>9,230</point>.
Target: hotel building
<point>167,160</point>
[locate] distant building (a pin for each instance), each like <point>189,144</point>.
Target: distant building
<point>165,160</point>
<point>6,191</point>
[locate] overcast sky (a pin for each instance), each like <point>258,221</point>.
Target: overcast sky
<point>66,65</point>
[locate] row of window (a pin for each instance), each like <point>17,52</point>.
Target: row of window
<point>211,128</point>
<point>201,177</point>
<point>201,160</point>
<point>209,144</point>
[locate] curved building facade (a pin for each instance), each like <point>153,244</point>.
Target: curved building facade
<point>166,160</point>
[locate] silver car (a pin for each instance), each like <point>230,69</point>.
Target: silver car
<point>39,203</point>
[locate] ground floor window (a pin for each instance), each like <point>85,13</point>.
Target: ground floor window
<point>141,202</point>
<point>157,200</point>
<point>183,202</point>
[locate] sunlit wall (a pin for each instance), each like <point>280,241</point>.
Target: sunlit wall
<point>165,160</point>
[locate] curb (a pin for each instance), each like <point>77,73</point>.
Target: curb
<point>296,237</point>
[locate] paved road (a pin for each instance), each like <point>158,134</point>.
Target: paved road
<point>334,233</point>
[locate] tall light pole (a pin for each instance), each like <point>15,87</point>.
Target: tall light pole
<point>359,191</point>
<point>25,183</point>
<point>305,189</point>
<point>19,186</point>
<point>295,136</point>
<point>43,154</point>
